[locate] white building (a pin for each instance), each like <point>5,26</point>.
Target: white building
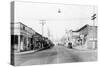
<point>21,36</point>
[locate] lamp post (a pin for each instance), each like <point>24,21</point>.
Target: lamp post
<point>59,11</point>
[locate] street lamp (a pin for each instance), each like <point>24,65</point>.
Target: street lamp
<point>59,11</point>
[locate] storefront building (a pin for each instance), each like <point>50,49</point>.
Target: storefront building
<point>21,37</point>
<point>86,36</point>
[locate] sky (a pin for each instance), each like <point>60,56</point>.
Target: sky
<point>71,17</point>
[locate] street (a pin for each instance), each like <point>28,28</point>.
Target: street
<point>58,54</point>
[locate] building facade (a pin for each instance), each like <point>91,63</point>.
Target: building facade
<point>24,38</point>
<point>86,36</point>
<point>21,37</point>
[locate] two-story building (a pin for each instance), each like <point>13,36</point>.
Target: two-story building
<point>21,37</point>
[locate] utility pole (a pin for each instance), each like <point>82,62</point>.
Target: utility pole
<point>93,18</point>
<point>42,23</point>
<point>49,33</point>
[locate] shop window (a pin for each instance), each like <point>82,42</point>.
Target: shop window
<point>14,42</point>
<point>14,39</point>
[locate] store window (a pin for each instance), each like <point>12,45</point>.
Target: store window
<point>14,41</point>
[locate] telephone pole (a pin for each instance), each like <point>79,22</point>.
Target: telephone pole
<point>93,18</point>
<point>42,22</point>
<point>49,33</point>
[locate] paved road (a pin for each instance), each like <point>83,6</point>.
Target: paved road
<point>58,54</point>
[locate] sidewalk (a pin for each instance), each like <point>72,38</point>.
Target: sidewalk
<point>26,52</point>
<point>83,48</point>
<point>80,47</point>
